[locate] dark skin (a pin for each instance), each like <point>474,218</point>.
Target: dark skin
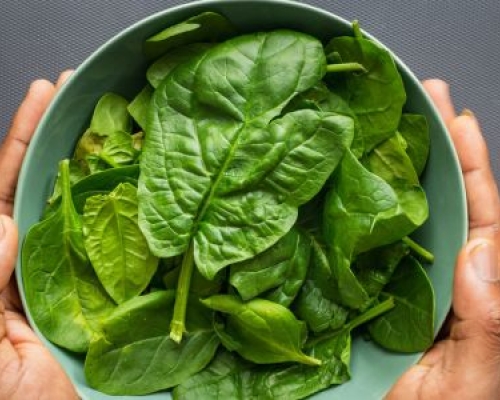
<point>464,364</point>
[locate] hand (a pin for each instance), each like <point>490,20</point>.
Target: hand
<point>27,369</point>
<point>465,364</point>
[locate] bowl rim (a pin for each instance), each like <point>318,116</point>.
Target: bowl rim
<point>209,4</point>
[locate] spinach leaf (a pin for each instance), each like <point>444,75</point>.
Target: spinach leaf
<point>390,161</point>
<point>204,27</point>
<point>139,106</point>
<point>409,327</point>
<point>318,301</point>
<point>282,267</point>
<point>135,356</point>
<point>118,150</point>
<point>224,170</point>
<point>115,245</point>
<point>320,98</point>
<point>374,268</point>
<point>110,116</point>
<point>415,131</point>
<point>75,174</point>
<point>63,293</point>
<point>161,68</point>
<point>362,211</point>
<point>260,330</point>
<point>376,96</point>
<point>98,183</point>
<point>108,137</point>
<point>230,377</point>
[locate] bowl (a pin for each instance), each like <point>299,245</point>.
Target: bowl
<point>374,370</point>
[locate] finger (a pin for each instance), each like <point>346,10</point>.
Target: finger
<point>8,249</point>
<point>63,78</point>
<point>439,92</point>
<point>16,142</point>
<point>482,193</point>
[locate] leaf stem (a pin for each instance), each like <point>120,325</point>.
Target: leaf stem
<point>367,316</point>
<point>372,313</point>
<point>345,67</point>
<point>424,254</point>
<point>178,324</point>
<point>356,29</point>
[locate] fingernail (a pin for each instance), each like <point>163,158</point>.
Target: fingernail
<point>483,256</point>
<point>467,113</point>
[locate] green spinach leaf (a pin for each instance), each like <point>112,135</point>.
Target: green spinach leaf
<point>230,377</point>
<point>415,131</point>
<point>224,170</point>
<point>362,211</point>
<point>376,96</point>
<point>282,268</point>
<point>115,245</point>
<point>318,301</point>
<point>63,293</point>
<point>260,330</point>
<point>135,355</point>
<point>409,327</point>
<point>204,27</point>
<point>139,106</point>
<point>161,68</point>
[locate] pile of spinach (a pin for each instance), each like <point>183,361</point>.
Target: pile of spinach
<point>225,233</point>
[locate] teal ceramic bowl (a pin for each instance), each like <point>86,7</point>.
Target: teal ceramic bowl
<point>119,66</point>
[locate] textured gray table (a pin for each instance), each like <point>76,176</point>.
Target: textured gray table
<point>456,40</point>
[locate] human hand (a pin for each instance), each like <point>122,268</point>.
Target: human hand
<point>465,363</point>
<point>27,369</point>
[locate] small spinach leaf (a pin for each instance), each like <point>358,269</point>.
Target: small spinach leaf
<point>110,116</point>
<point>260,330</point>
<point>409,327</point>
<point>415,132</point>
<point>282,268</point>
<point>115,245</point>
<point>204,27</point>
<point>139,106</point>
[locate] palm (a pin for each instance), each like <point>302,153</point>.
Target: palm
<point>27,369</point>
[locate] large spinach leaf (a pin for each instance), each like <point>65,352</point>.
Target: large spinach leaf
<point>221,175</point>
<point>63,293</point>
<point>282,268</point>
<point>115,245</point>
<point>409,327</point>
<point>260,330</point>
<point>135,354</point>
<point>161,68</point>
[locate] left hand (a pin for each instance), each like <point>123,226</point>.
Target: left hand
<point>27,369</point>
<point>465,363</point>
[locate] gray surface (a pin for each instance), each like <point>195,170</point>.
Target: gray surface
<point>451,39</point>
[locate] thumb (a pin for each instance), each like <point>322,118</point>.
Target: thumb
<point>8,249</point>
<point>476,294</point>
<point>476,301</point>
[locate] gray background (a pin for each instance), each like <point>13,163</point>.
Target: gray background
<point>456,40</point>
